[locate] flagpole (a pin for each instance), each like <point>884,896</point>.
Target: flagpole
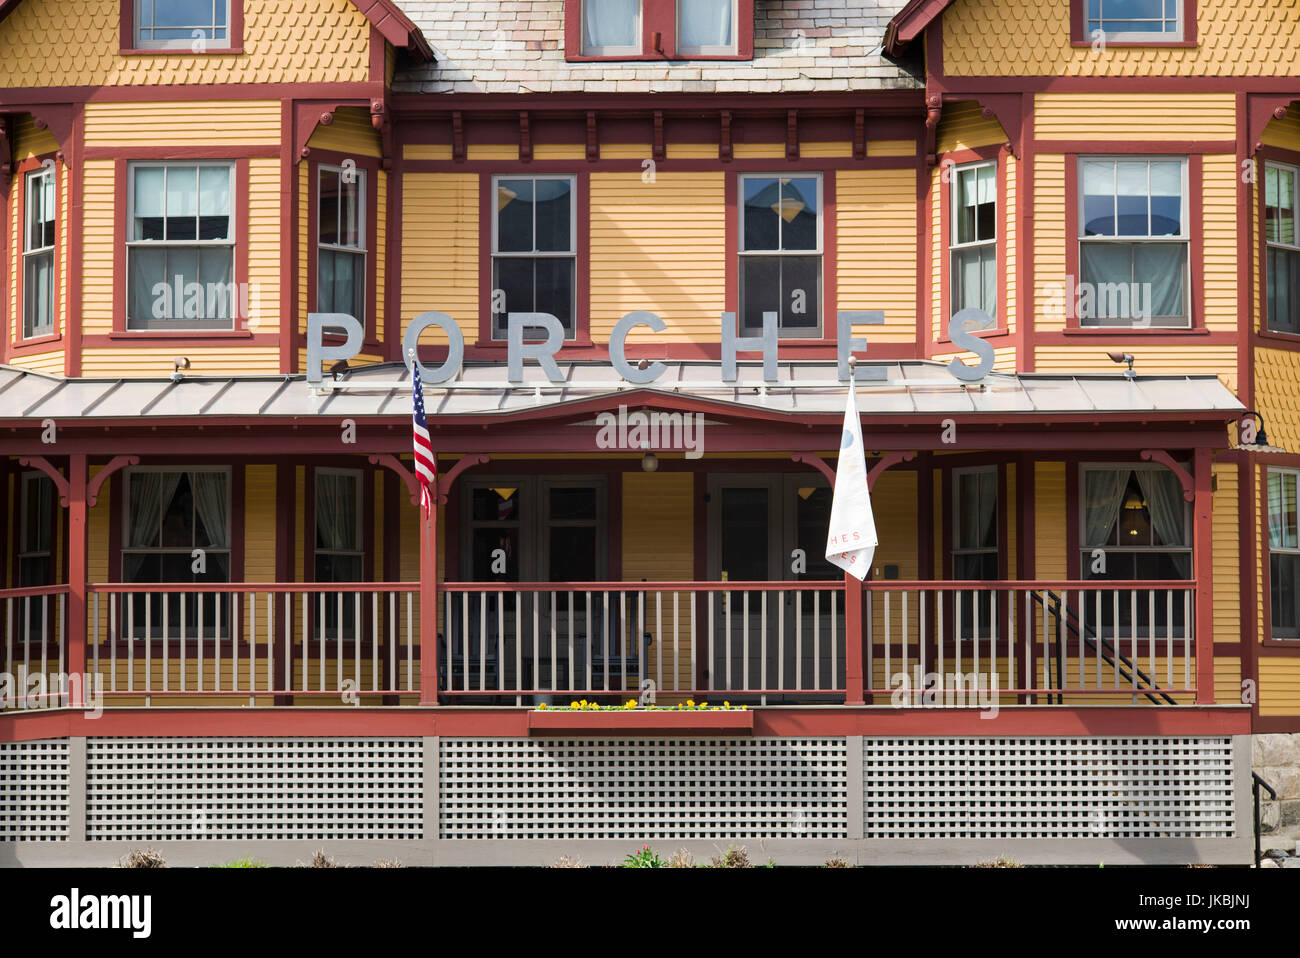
<point>429,603</point>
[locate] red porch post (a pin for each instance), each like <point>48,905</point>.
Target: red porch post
<point>1202,550</point>
<point>429,606</point>
<point>854,682</point>
<point>76,628</point>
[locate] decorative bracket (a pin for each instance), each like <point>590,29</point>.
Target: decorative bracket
<point>818,463</point>
<point>58,120</point>
<point>56,477</point>
<point>724,137</point>
<point>792,134</point>
<point>859,134</point>
<point>393,463</point>
<point>593,142</point>
<point>1166,460</point>
<point>1260,111</point>
<point>114,464</point>
<point>659,151</point>
<point>6,154</point>
<point>887,460</point>
<point>933,110</point>
<point>308,116</point>
<point>465,462</point>
<point>457,136</point>
<point>525,138</point>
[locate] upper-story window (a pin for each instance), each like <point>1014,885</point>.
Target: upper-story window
<point>974,238</point>
<point>781,253</point>
<point>1134,242</point>
<point>659,29</point>
<point>1135,19</point>
<point>1282,248</point>
<point>1284,553</point>
<point>181,24</point>
<point>38,252</point>
<point>534,250</point>
<point>341,242</point>
<point>181,246</point>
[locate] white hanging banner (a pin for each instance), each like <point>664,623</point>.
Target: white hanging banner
<point>851,540</point>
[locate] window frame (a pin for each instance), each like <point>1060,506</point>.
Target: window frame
<point>362,232</point>
<point>612,52</point>
<point>821,331</point>
<point>126,548</point>
<point>36,166</point>
<point>1271,633</point>
<point>1081,519</point>
<point>358,477</point>
<point>1186,36</point>
<point>22,550</point>
<point>706,52</point>
<point>129,40</point>
<point>577,221</point>
<point>1293,167</point>
<point>954,246</point>
<point>1190,220</point>
<point>234,243</point>
<point>996,549</point>
<point>659,22</point>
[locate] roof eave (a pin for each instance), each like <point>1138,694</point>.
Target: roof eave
<point>910,22</point>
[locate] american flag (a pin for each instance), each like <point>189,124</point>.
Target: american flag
<point>426,471</point>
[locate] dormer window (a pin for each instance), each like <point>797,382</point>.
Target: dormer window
<point>659,30</point>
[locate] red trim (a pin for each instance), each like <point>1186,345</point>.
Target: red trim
<point>1195,251</point>
<point>909,23</point>
<point>664,722</point>
<point>126,34</point>
<point>38,344</point>
<point>1079,36</point>
<point>659,18</point>
<point>1266,644</point>
<point>513,722</point>
<point>371,340</point>
<point>289,251</point>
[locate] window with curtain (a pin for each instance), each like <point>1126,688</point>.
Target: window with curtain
<point>975,544</point>
<point>534,250</point>
<point>974,241</point>
<point>341,242</point>
<point>1138,518</point>
<point>706,26</point>
<point>338,548</point>
<point>177,530</point>
<point>181,246</point>
<point>1136,19</point>
<point>611,28</point>
<point>35,552</point>
<point>1282,248</point>
<point>1134,242</point>
<point>781,253</point>
<point>38,253</point>
<point>1284,553</point>
<point>178,24</point>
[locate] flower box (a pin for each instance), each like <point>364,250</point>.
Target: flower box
<point>641,722</point>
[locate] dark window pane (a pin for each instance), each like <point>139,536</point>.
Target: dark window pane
<point>515,216</point>
<point>744,534</point>
<point>328,210</point>
<point>554,198</point>
<point>487,505</point>
<point>801,280</point>
<point>513,277</point>
<point>554,278</point>
<point>813,516</point>
<point>572,554</point>
<point>798,212</point>
<point>760,289</point>
<point>762,224</point>
<point>178,516</point>
<point>567,503</point>
<point>1284,578</point>
<point>486,541</point>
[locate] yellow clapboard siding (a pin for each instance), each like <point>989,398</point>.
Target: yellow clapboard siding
<point>693,151</point>
<point>206,360</point>
<point>1049,239</point>
<point>891,147</point>
<point>626,151</point>
<point>1006,295</point>
<point>1219,288</point>
<point>426,151</point>
<point>440,254</point>
<point>380,253</point>
<point>1283,133</point>
<point>1004,358</point>
<point>964,127</point>
<point>1032,38</point>
<point>259,523</point>
<point>559,151</point>
<point>1176,359</point>
<point>29,141</point>
<point>826,149</point>
<point>183,123</point>
<point>1134,116</point>
<point>97,292</point>
<point>1227,680</point>
<point>1049,508</point>
<point>349,132</point>
<point>658,245</point>
<point>743,151</point>
<point>284,41</point>
<point>492,151</point>
<point>876,245</point>
<point>1227,557</point>
<point>894,503</point>
<point>50,362</point>
<point>938,242</point>
<point>1279,685</point>
<point>264,224</point>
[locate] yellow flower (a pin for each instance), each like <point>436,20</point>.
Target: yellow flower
<point>573,705</point>
<point>542,706</point>
<point>690,703</point>
<point>726,705</point>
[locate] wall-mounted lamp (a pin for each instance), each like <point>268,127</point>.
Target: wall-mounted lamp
<point>1258,442</point>
<point>1118,356</point>
<point>179,363</point>
<point>339,368</point>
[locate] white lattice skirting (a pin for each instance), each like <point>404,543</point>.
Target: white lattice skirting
<point>1047,787</point>
<point>34,791</point>
<point>146,789</point>
<point>643,788</point>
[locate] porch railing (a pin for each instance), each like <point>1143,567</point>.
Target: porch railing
<point>921,642</point>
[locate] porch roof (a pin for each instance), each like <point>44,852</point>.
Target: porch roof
<point>806,388</point>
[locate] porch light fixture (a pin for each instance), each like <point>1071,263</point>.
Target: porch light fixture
<point>179,363</point>
<point>649,462</point>
<point>1261,443</point>
<point>1118,356</point>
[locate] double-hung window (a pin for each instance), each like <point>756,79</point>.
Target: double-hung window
<point>1135,20</point>
<point>38,253</point>
<point>534,250</point>
<point>781,253</point>
<point>974,238</point>
<point>181,246</point>
<point>338,548</point>
<point>35,552</point>
<point>698,29</point>
<point>1134,242</point>
<point>1284,553</point>
<point>1282,247</point>
<point>181,24</point>
<point>706,27</point>
<point>975,544</point>
<point>611,28</point>
<point>341,242</point>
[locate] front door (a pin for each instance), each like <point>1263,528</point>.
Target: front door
<point>772,528</point>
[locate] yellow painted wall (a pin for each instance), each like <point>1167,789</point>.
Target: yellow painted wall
<point>183,123</point>
<point>1227,556</point>
<point>440,255</point>
<point>876,239</point>
<point>97,291</point>
<point>1032,38</point>
<point>1049,239</point>
<point>1174,359</point>
<point>264,273</point>
<point>1050,513</point>
<point>1122,117</point>
<point>349,132</point>
<point>1220,182</point>
<point>1279,685</point>
<point>660,246</point>
<point>964,127</point>
<point>1283,133</point>
<point>1277,395</point>
<point>77,44</point>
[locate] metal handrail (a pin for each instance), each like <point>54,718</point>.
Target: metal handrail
<point>1256,785</point>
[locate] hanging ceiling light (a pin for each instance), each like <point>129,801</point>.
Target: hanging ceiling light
<point>649,462</point>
